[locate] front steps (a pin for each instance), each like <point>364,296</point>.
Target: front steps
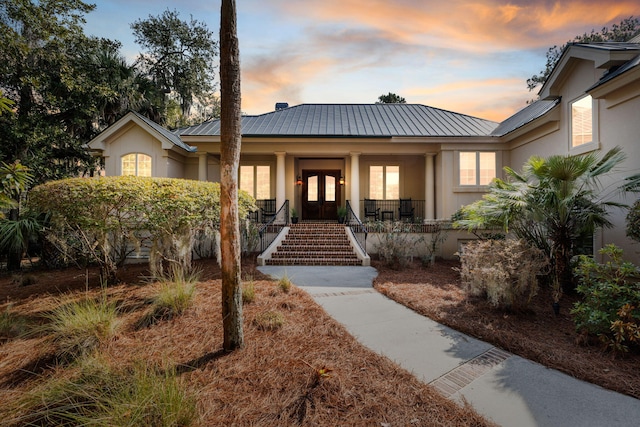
<point>315,244</point>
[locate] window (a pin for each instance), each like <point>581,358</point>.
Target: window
<point>582,121</point>
<point>477,168</point>
<point>384,182</point>
<point>136,164</point>
<point>256,180</point>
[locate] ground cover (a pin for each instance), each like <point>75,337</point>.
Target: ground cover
<point>536,334</point>
<point>308,371</point>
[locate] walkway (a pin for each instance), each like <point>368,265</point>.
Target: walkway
<point>508,389</point>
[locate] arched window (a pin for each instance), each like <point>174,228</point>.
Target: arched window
<point>136,164</point>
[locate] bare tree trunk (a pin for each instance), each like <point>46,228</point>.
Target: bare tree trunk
<point>230,142</point>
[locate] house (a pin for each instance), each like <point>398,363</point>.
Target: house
<point>321,156</point>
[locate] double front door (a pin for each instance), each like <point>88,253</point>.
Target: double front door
<point>320,194</point>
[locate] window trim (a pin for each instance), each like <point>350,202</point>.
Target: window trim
<point>137,163</point>
<point>254,167</point>
<point>470,188</point>
<point>384,179</point>
<point>594,144</point>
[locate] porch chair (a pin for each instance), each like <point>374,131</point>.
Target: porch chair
<point>370,209</point>
<point>268,210</point>
<point>406,209</point>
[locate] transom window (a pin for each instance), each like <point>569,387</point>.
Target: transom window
<point>477,167</point>
<point>136,164</point>
<point>384,182</point>
<point>582,121</point>
<point>256,180</point>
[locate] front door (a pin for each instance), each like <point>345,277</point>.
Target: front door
<point>320,194</point>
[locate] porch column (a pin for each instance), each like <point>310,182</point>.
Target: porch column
<point>429,187</point>
<point>355,183</point>
<point>202,166</point>
<point>281,188</point>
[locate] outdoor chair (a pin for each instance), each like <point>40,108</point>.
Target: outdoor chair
<point>370,209</point>
<point>406,209</point>
<point>268,210</point>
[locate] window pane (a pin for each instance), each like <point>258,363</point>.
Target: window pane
<point>376,190</point>
<point>312,189</point>
<point>487,168</point>
<point>129,164</point>
<point>144,165</point>
<point>393,182</point>
<point>581,121</point>
<point>246,180</point>
<point>329,188</point>
<point>467,168</point>
<point>263,182</point>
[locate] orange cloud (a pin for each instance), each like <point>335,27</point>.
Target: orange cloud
<point>478,26</point>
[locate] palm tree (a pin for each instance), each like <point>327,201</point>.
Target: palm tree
<point>554,203</point>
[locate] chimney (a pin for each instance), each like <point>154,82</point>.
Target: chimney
<point>281,105</point>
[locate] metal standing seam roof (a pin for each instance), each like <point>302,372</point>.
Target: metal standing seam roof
<point>528,114</point>
<point>354,120</point>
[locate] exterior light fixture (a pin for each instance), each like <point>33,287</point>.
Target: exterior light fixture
<point>299,180</point>
<point>341,180</point>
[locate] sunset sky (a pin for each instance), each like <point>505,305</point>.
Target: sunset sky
<point>471,57</point>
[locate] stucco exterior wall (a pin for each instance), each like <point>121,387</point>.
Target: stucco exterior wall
<point>132,139</point>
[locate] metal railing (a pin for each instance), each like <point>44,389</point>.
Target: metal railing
<point>270,230</point>
<point>357,227</point>
<point>389,210</point>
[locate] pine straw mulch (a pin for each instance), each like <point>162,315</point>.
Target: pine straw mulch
<point>536,334</point>
<point>275,380</point>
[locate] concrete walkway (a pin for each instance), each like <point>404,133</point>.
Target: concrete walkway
<point>508,389</point>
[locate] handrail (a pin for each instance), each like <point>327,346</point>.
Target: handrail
<point>357,227</point>
<point>270,230</point>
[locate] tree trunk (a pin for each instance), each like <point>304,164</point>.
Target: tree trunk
<point>230,142</point>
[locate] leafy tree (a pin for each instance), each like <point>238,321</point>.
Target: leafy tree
<point>554,203</point>
<point>622,32</point>
<point>48,68</point>
<point>230,143</point>
<point>633,221</point>
<point>178,56</point>
<point>391,98</point>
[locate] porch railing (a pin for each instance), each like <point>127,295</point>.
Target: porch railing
<point>357,227</point>
<point>270,230</point>
<point>389,210</point>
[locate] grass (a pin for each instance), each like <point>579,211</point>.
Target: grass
<point>309,371</point>
<point>11,325</point>
<point>174,297</point>
<point>78,327</point>
<point>248,291</point>
<point>95,393</point>
<point>284,284</point>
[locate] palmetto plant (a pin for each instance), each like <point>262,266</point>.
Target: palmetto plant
<point>553,203</point>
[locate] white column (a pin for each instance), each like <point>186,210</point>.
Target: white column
<point>429,187</point>
<point>281,188</point>
<point>202,166</point>
<point>355,183</point>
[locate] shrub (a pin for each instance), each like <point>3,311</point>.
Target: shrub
<point>505,271</point>
<point>610,308</point>
<point>78,327</point>
<point>396,246</point>
<point>99,395</point>
<point>633,221</point>
<point>103,220</point>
